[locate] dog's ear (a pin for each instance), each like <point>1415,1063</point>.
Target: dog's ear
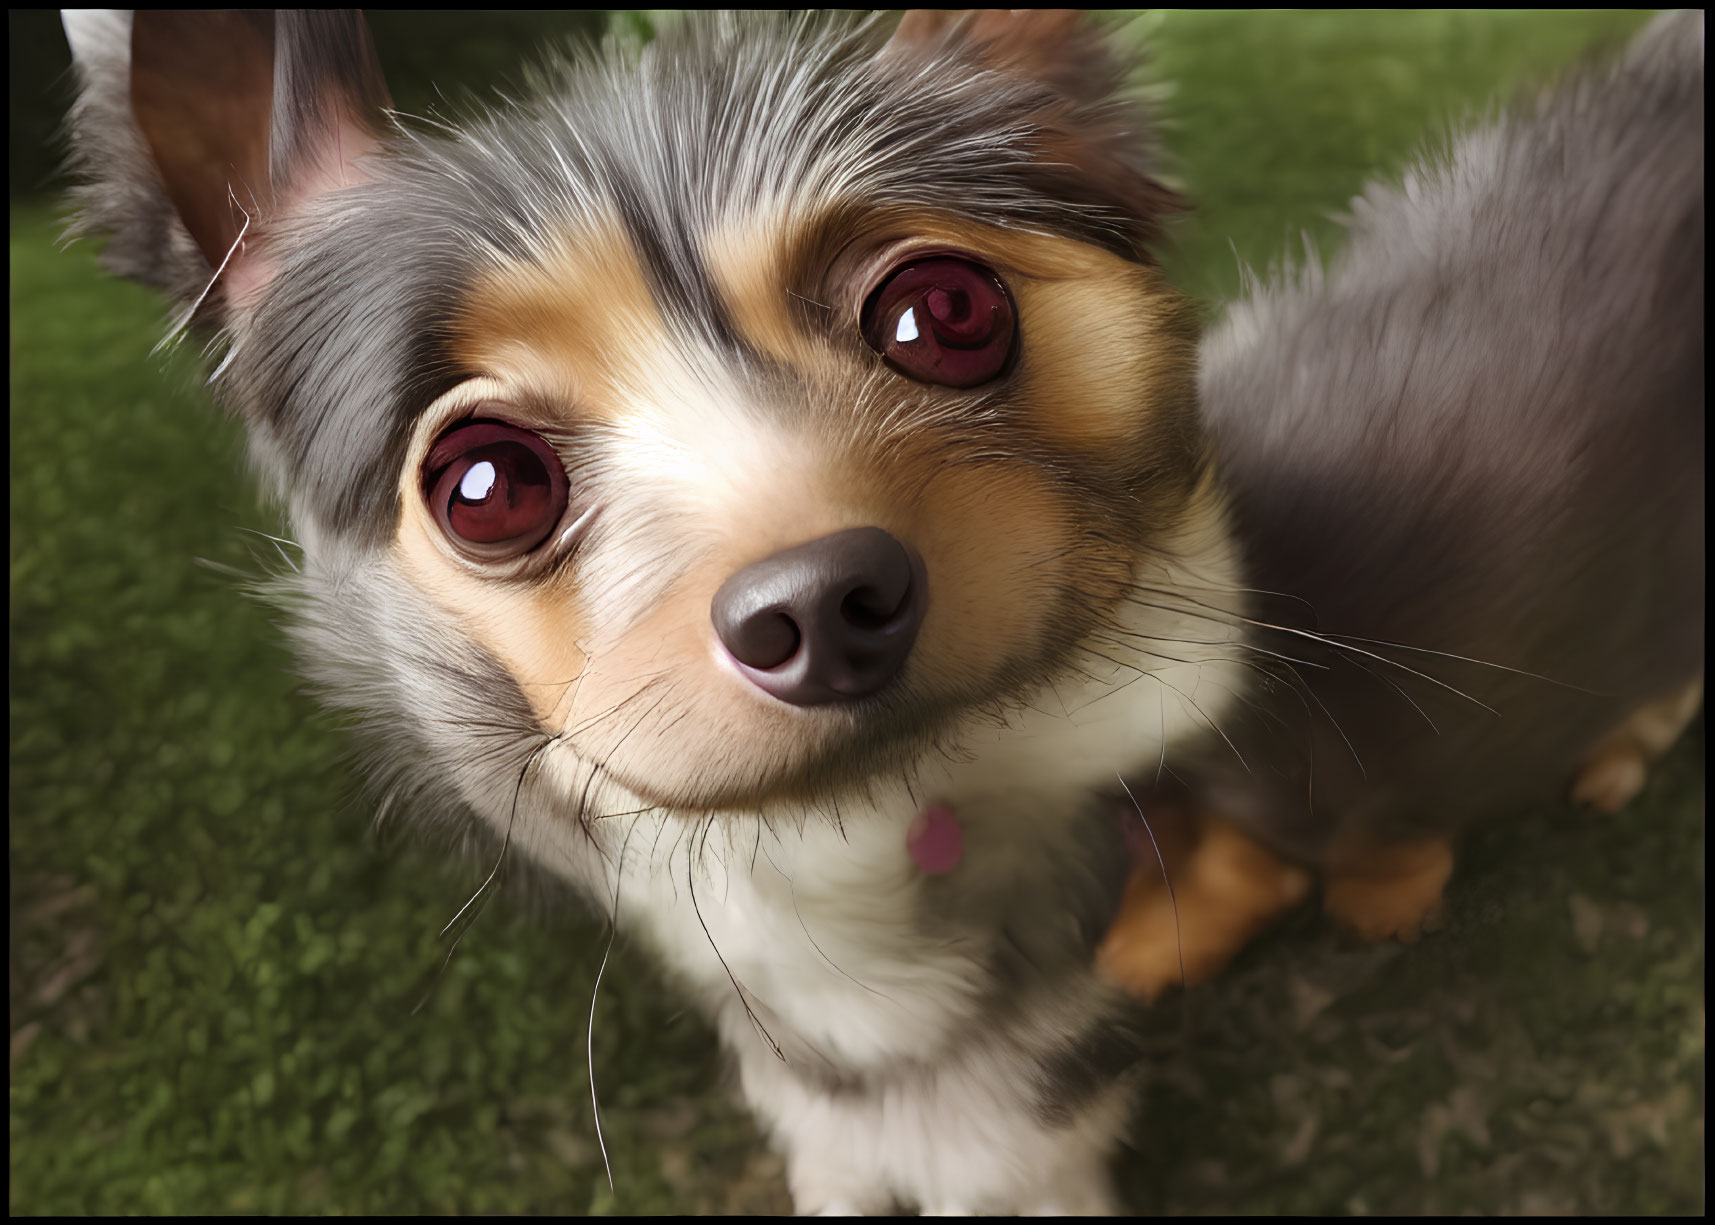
<point>1060,48</point>
<point>195,132</point>
<point>1091,124</point>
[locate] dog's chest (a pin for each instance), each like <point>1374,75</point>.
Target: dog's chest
<point>822,940</point>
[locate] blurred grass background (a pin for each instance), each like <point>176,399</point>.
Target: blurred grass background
<point>214,959</point>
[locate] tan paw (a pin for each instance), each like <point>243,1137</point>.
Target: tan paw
<point>1615,770</point>
<point>1226,891</point>
<point>1390,892</point>
<point>1609,781</point>
<point>1142,953</point>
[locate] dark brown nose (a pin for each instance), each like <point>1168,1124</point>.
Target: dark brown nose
<point>827,621</point>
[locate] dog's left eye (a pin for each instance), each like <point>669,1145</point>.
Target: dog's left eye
<point>944,320</point>
<point>495,490</point>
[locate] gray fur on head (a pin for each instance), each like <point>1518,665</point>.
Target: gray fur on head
<point>723,114</point>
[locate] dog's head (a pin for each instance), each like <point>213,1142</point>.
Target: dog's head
<point>737,416</point>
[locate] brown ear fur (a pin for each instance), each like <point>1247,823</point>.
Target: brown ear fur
<point>206,126</point>
<point>1088,124</point>
<point>1058,47</point>
<point>202,92</point>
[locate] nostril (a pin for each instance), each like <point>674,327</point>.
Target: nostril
<point>763,637</point>
<point>765,640</point>
<point>868,609</point>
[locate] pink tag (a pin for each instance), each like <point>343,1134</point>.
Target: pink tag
<point>935,840</point>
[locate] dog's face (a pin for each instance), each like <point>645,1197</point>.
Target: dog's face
<point>739,417</point>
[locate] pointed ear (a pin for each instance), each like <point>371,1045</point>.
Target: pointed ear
<point>196,131</point>
<point>1060,48</point>
<point>1089,122</point>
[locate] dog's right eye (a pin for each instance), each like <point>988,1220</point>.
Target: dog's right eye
<point>495,490</point>
<point>942,320</point>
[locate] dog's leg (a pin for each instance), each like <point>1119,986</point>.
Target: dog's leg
<point>831,1184</point>
<point>1613,772</point>
<point>853,1158</point>
<point>1388,891</point>
<point>965,1137</point>
<point>1226,890</point>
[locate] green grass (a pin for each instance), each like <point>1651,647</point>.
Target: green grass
<point>214,960</point>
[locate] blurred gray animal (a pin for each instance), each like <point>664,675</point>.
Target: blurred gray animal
<point>1478,436</point>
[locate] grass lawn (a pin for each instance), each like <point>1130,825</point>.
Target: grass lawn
<point>215,959</point>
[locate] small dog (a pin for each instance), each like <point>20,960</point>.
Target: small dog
<point>752,478</point>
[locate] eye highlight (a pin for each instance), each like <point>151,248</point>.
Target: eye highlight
<point>943,320</point>
<point>495,490</point>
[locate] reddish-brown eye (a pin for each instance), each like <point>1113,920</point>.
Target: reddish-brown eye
<point>496,490</point>
<point>942,320</point>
